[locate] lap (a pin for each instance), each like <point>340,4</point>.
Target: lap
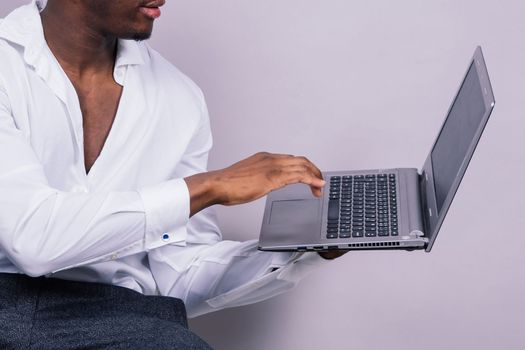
<point>118,331</point>
<point>55,314</point>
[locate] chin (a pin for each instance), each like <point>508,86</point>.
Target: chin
<point>137,36</point>
<point>138,30</point>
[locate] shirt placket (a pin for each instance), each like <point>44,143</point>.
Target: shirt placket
<point>49,70</point>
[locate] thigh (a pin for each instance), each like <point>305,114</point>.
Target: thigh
<point>14,327</point>
<point>17,304</point>
<point>78,315</point>
<point>116,331</point>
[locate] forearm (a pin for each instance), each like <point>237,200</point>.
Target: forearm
<point>60,230</point>
<point>251,179</point>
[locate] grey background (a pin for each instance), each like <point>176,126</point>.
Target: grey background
<point>366,84</point>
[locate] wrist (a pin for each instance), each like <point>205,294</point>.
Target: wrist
<point>203,191</point>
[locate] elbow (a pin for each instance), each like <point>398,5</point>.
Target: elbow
<point>31,264</point>
<point>29,254</point>
<point>33,270</point>
<point>33,267</point>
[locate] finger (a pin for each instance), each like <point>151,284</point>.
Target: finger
<point>305,177</point>
<point>316,170</point>
<point>316,191</point>
<point>272,157</point>
<point>306,170</point>
<point>305,161</point>
<point>284,155</point>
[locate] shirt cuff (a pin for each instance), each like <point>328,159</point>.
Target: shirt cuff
<point>167,210</point>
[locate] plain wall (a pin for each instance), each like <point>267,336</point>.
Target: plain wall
<point>355,85</point>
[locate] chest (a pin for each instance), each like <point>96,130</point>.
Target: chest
<point>99,104</point>
<point>139,132</point>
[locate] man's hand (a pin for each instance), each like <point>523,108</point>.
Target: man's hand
<point>250,179</point>
<point>253,178</point>
<point>334,254</point>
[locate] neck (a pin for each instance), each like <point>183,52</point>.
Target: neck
<point>78,46</point>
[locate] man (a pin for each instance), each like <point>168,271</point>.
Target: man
<point>103,155</point>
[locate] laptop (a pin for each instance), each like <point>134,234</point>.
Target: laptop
<point>399,208</point>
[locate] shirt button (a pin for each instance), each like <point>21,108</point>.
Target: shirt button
<point>165,237</point>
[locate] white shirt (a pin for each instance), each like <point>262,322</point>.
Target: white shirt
<point>126,222</point>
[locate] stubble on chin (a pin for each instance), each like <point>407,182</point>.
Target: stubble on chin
<point>141,36</point>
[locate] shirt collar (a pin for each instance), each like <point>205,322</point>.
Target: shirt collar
<point>23,27</point>
<point>128,53</point>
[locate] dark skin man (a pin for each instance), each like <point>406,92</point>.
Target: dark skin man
<point>83,35</point>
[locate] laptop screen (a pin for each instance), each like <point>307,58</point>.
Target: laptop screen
<point>462,123</point>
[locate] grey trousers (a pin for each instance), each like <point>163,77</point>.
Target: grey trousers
<point>45,313</point>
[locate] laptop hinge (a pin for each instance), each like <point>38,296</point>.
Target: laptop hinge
<point>415,220</point>
<point>423,180</point>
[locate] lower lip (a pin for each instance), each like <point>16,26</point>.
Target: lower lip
<point>151,12</point>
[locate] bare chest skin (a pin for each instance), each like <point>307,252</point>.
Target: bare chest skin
<point>99,100</point>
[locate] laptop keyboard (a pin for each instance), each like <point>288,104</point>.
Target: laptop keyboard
<point>362,206</point>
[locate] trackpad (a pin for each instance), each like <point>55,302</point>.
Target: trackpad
<point>294,212</point>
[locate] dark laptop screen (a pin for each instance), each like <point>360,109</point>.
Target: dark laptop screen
<point>463,120</point>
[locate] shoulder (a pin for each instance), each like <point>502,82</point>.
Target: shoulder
<point>167,74</point>
<point>179,95</point>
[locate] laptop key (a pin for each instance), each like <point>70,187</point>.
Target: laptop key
<point>331,235</point>
<point>333,209</point>
<point>357,233</point>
